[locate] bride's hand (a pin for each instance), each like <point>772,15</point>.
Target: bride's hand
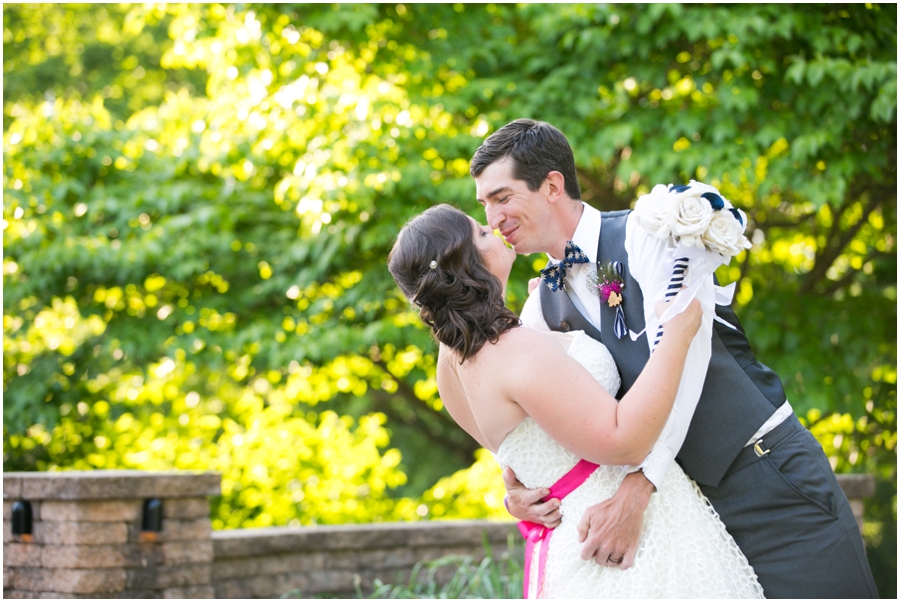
<point>686,323</point>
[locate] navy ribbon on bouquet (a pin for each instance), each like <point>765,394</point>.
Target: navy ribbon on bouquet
<point>675,284</point>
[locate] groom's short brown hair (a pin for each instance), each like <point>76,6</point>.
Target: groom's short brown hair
<point>535,147</point>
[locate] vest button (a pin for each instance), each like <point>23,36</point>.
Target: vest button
<point>564,326</point>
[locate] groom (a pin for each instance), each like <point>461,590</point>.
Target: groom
<point>732,430</point>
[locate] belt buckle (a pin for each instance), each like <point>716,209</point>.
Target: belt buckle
<point>758,450</point>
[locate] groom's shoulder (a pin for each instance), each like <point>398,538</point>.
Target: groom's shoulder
<point>616,220</point>
<point>615,214</point>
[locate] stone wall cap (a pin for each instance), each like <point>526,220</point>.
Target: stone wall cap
<point>857,485</point>
<point>109,484</point>
<point>239,543</point>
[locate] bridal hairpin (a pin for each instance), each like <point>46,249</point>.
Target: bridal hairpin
<point>433,264</point>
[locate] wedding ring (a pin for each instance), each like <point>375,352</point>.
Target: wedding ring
<point>615,560</point>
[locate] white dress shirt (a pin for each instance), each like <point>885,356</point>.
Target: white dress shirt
<point>651,265</point>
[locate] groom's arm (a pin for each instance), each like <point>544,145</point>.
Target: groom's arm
<point>612,528</point>
<point>532,315</point>
<point>651,267</point>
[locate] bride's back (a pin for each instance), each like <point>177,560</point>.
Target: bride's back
<point>477,393</point>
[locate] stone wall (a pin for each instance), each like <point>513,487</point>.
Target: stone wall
<point>87,541</point>
<point>266,563</point>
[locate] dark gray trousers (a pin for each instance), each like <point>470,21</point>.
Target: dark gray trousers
<point>788,514</point>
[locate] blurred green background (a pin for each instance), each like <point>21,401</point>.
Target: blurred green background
<point>199,201</point>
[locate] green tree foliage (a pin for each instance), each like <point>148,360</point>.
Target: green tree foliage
<point>199,200</point>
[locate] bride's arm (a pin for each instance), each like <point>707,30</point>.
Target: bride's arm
<point>566,401</point>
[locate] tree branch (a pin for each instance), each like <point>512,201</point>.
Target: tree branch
<point>837,240</point>
<point>600,194</point>
<point>785,223</point>
<point>409,394</point>
<point>847,278</point>
<point>383,404</point>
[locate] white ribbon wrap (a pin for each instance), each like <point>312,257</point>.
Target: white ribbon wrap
<point>701,265</point>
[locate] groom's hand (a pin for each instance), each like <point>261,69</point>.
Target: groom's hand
<point>527,504</point>
<point>612,528</point>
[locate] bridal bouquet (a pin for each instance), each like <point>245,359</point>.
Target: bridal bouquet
<point>701,227</point>
<point>693,215</point>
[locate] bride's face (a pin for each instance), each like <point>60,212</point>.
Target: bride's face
<point>496,255</point>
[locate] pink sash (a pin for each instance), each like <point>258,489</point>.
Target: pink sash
<point>535,533</point>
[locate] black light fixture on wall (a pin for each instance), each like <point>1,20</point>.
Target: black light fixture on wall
<point>151,523</point>
<point>21,520</point>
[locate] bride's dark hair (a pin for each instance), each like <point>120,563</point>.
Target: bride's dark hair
<point>458,298</point>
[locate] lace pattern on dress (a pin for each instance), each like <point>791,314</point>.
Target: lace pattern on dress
<point>685,551</point>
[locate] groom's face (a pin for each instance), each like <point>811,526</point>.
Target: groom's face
<point>520,214</point>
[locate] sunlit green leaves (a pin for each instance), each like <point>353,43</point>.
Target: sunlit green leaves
<point>211,191</point>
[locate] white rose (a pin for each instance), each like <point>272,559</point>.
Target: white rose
<point>725,234</point>
<point>692,219</point>
<point>656,212</point>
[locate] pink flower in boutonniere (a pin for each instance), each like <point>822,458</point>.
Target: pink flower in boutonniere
<point>611,292</point>
<point>607,283</point>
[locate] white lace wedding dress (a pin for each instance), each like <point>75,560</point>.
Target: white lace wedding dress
<point>685,551</point>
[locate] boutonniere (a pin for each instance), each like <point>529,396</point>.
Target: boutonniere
<point>608,283</point>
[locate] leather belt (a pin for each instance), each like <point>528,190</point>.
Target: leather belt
<point>761,447</point>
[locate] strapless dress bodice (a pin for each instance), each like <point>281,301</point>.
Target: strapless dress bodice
<point>536,458</point>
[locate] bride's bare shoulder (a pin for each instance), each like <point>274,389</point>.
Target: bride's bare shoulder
<point>525,340</point>
<point>530,335</point>
<point>519,346</point>
<point>447,358</point>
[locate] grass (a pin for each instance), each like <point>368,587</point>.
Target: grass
<point>491,578</point>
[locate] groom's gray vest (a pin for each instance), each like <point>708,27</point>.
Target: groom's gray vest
<point>739,393</point>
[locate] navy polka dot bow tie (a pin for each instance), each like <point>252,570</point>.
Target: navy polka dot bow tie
<point>553,275</point>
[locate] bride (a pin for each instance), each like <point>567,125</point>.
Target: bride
<point>542,403</point>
